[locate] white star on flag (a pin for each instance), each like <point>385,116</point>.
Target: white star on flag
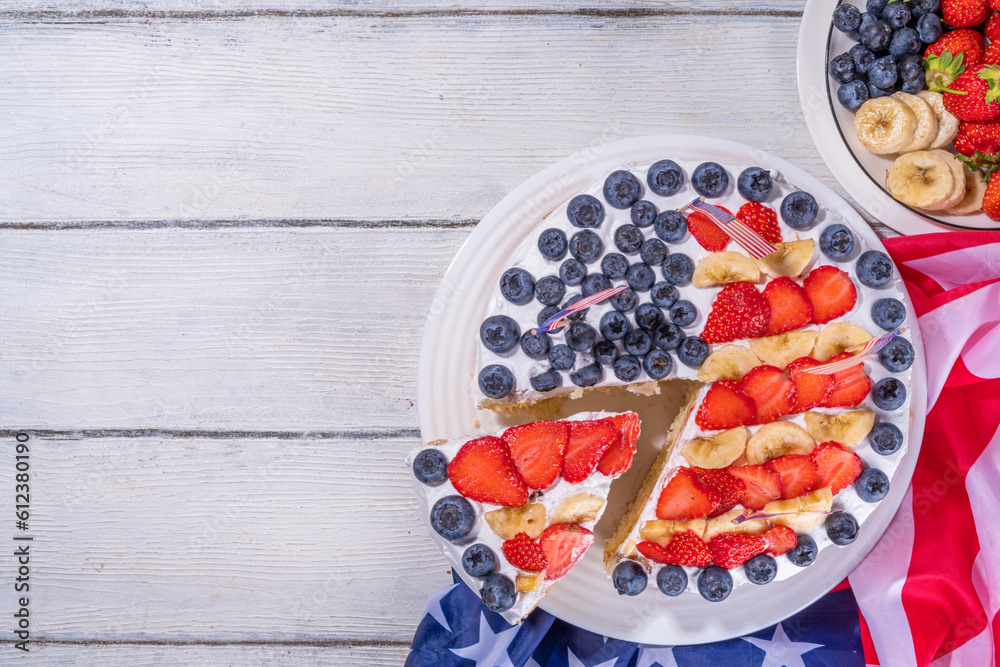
<point>575,661</point>
<point>491,649</point>
<point>649,655</point>
<point>780,651</point>
<point>434,609</point>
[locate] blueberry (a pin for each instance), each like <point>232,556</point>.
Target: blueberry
<point>572,271</point>
<point>897,15</point>
<point>692,351</point>
<point>653,252</point>
<point>627,367</point>
<point>874,268</point>
<point>536,345</point>
<point>629,578</point>
<point>841,68</point>
<point>897,356</point>
<point>889,393</point>
<point>846,17</point>
<point>499,593</point>
<point>594,283</point>
<point>678,268</point>
<point>640,277</point>
<point>648,316</point>
<point>638,342</point>
<point>550,290</point>
<point>888,313</point>
<point>883,73</point>
<point>546,313</point>
<point>914,87</point>
<point>628,239</point>
<point>862,57</point>
<point>580,337</point>
<point>672,580</point>
<point>667,336</point>
<point>911,67</point>
<point>885,438</point>
<point>586,246</point>
<point>927,6</point>
<point>453,517</point>
<point>624,301</point>
<point>761,569</point>
<point>479,560</point>
<point>876,36</point>
<point>715,584</point>
<point>496,381</point>
<point>876,7</point>
<point>853,94</point>
<point>805,551</point>
<point>575,317</point>
<point>683,313</point>
<point>664,294</point>
<point>754,183</point>
<point>841,528</point>
<point>710,179</point>
<point>875,92</point>
<point>643,213</point>
<point>499,333</point>
<point>836,242</point>
<point>430,467</point>
<point>546,381</point>
<point>552,244</point>
<point>670,226</point>
<point>867,18</point>
<point>561,357</point>
<point>665,178</point>
<point>517,286</point>
<point>622,189</point>
<point>929,28</point>
<point>799,209</point>
<point>585,211</point>
<point>605,352</point>
<point>614,325</point>
<point>587,376</point>
<point>905,42</point>
<point>872,485</point>
<point>657,364</point>
<point>614,265</point>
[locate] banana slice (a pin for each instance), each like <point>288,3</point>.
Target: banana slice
<point>927,122</point>
<point>724,524</point>
<point>975,190</point>
<point>530,581</point>
<point>922,179</point>
<point>662,531</point>
<point>847,429</point>
<point>718,451</point>
<point>777,439</point>
<point>958,173</point>
<point>791,258</point>
<point>837,337</point>
<point>885,125</point>
<point>720,268</point>
<point>509,521</point>
<point>581,508</point>
<point>783,348</point>
<point>816,502</point>
<point>730,362</point>
<point>947,123</point>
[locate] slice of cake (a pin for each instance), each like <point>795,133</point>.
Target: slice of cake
<point>513,512</point>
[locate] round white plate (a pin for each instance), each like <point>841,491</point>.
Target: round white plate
<point>832,128</point>
<point>586,597</point>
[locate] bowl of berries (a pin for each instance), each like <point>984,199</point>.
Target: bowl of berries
<point>902,98</point>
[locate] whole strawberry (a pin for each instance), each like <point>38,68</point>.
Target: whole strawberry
<point>964,13</point>
<point>992,54</point>
<point>995,5</point>
<point>991,200</point>
<point>969,42</point>
<point>942,69</point>
<point>981,137</point>
<point>973,94</point>
<point>992,28</point>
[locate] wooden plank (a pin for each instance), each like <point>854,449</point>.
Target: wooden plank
<point>229,655</point>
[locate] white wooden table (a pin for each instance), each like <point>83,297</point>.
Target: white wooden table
<point>221,226</point>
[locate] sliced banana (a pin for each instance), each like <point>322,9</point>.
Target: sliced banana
<point>724,524</point>
<point>509,521</point>
<point>885,125</point>
<point>922,179</point>
<point>720,268</point>
<point>661,531</point>
<point>815,503</point>
<point>958,173</point>
<point>730,362</point>
<point>781,349</point>
<point>847,429</point>
<point>581,508</point>
<point>791,258</point>
<point>777,439</point>
<point>718,451</point>
<point>837,337</point>
<point>947,123</point>
<point>927,122</point>
<point>975,190</point>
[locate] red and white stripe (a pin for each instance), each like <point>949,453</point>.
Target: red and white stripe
<point>866,351</point>
<point>556,321</point>
<point>755,244</point>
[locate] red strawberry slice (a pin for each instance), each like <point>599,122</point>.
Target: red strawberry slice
<point>588,440</point>
<point>708,234</point>
<point>798,474</point>
<point>686,497</point>
<point>836,467</point>
<point>739,311</point>
<point>725,406</point>
<point>730,550</point>
<point>850,386</point>
<point>780,540</point>
<point>762,219</point>
<point>810,389</point>
<point>762,485</point>
<point>729,488</point>
<point>524,553</point>
<point>537,450</point>
<point>483,470</point>
<point>789,306</point>
<point>618,458</point>
<point>772,392</point>
<point>831,293</point>
<point>563,545</point>
<point>685,548</point>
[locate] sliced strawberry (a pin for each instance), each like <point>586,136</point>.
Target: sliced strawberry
<point>708,234</point>
<point>483,470</point>
<point>730,550</point>
<point>563,545</point>
<point>810,389</point>
<point>850,386</point>
<point>588,440</point>
<point>762,219</point>
<point>537,450</point>
<point>618,458</point>
<point>739,311</point>
<point>686,497</point>
<point>772,392</point>
<point>789,306</point>
<point>725,406</point>
<point>837,467</point>
<point>762,485</point>
<point>729,488</point>
<point>780,540</point>
<point>685,548</point>
<point>524,553</point>
<point>831,293</point>
<point>798,474</point>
